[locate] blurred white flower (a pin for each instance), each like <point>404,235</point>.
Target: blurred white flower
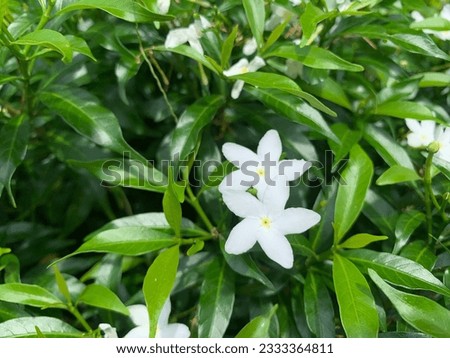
<point>261,169</point>
<point>241,67</point>
<point>163,6</point>
<point>279,14</point>
<point>164,329</point>
<point>267,222</point>
<point>343,5</point>
<point>107,330</point>
<point>295,2</point>
<point>190,34</point>
<point>445,14</point>
<point>443,141</point>
<point>250,47</point>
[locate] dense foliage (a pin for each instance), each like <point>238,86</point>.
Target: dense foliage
<point>113,120</point>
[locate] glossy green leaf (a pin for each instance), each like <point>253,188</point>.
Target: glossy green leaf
<point>84,114</point>
<point>79,45</point>
<point>293,109</point>
<point>318,307</point>
<point>391,152</point>
<point>172,210</point>
<point>25,327</point>
<point>356,179</point>
<point>348,138</point>
<point>31,295</point>
<point>125,173</point>
<point>10,264</point>
<point>13,148</point>
<point>130,241</point>
<point>407,223</point>
<point>158,284</point>
<point>330,90</point>
<point>192,121</point>
<point>102,297</point>
<point>256,15</point>
<point>436,23</point>
<point>258,327</point>
<point>361,240</point>
<point>420,312</point>
<point>397,270</point>
<point>5,78</point>
<point>216,300</point>
<point>128,10</point>
<point>227,47</point>
<point>397,174</point>
<point>357,307</point>
<point>275,35</point>
<point>310,19</point>
<point>49,39</point>
<point>380,213</point>
<point>420,252</point>
<point>315,57</point>
<point>404,109</point>
<point>421,44</point>
<point>197,246</point>
<point>434,79</point>
<point>62,284</point>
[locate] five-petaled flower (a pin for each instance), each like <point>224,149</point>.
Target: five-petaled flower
<point>190,34</point>
<point>425,133</point>
<point>261,169</point>
<point>241,67</point>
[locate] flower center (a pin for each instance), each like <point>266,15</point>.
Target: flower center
<point>260,171</point>
<point>266,222</point>
<point>244,69</point>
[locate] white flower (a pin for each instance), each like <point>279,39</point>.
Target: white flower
<point>343,5</point>
<point>267,222</point>
<point>164,329</point>
<point>445,14</point>
<point>250,47</point>
<point>279,15</point>
<point>107,330</point>
<point>261,169</point>
<point>163,6</point>
<point>191,34</point>
<point>241,67</point>
<point>295,2</point>
<point>426,132</point>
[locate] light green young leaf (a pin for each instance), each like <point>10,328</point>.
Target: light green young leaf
<point>421,44</point>
<point>62,284</point>
<point>102,297</point>
<point>356,179</point>
<point>172,209</point>
<point>258,327</point>
<point>420,312</point>
<point>227,47</point>
<point>128,10</point>
<point>397,270</point>
<point>256,15</point>
<point>348,138</point>
<point>158,284</point>
<point>13,148</point>
<point>330,90</point>
<point>361,240</point>
<point>25,327</point>
<point>357,307</point>
<point>435,23</point>
<point>49,39</point>
<point>315,57</point>
<point>397,174</point>
<point>31,295</point>
<point>79,45</point>
<point>404,109</point>
<point>216,300</point>
<point>434,79</point>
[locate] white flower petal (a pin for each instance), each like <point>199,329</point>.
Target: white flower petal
<point>276,195</point>
<point>445,12</point>
<point>177,37</point>
<point>204,23</point>
<point>269,147</point>
<point>276,247</point>
<point>238,154</point>
<point>163,6</point>
<point>174,330</point>
<point>138,332</point>
<point>413,125</point>
<point>163,318</point>
<point>428,127</point>
<point>238,68</point>
<point>443,134</point>
<point>237,89</point>
<point>108,330</point>
<point>196,45</point>
<point>250,47</point>
<point>417,16</point>
<point>292,169</point>
<point>444,153</point>
<point>295,2</point>
<point>242,204</point>
<point>256,64</point>
<point>139,315</point>
<point>296,220</point>
<point>242,237</point>
<point>235,181</point>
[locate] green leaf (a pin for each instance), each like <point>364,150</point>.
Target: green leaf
<point>196,247</point>
<point>275,35</point>
<point>216,300</point>
<point>380,213</point>
<point>314,57</point>
<point>128,10</point>
<point>256,15</point>
<point>420,312</point>
<point>357,307</point>
<point>62,284</point>
<point>227,47</point>
<point>318,307</point>
<point>158,284</point>
<point>130,240</point>
<point>436,23</point>
<point>391,152</point>
<point>407,223</point>
<point>25,327</point>
<point>352,191</point>
<point>13,148</point>
<point>49,39</point>
<point>309,20</point>
<point>397,174</point>
<point>102,297</point>
<point>126,173</point>
<point>293,109</point>
<point>397,270</point>
<point>404,109</point>
<point>84,114</point>
<point>258,327</point>
<point>421,44</point>
<point>330,90</point>
<point>79,45</point>
<point>192,121</point>
<point>172,210</point>
<point>361,240</point>
<point>348,138</point>
<point>434,79</point>
<point>31,295</point>
<point>419,251</point>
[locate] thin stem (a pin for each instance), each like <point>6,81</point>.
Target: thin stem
<point>429,196</point>
<point>193,240</point>
<point>80,318</point>
<point>193,201</point>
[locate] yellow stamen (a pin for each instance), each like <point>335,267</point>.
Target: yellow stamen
<point>266,222</point>
<point>260,171</point>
